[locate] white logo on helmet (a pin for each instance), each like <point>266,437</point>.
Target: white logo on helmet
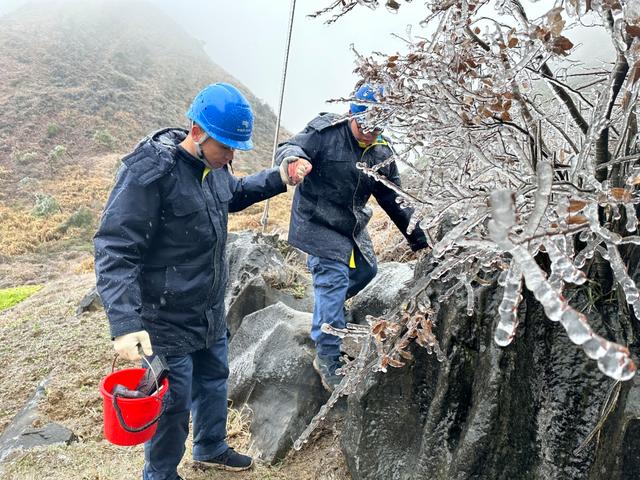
<point>245,127</point>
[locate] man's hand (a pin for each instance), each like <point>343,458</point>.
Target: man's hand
<point>127,345</point>
<point>293,170</point>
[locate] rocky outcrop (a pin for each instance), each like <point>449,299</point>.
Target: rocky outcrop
<point>271,371</point>
<point>487,412</point>
<point>386,291</point>
<point>253,259</point>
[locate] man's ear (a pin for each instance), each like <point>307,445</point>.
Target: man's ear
<point>196,132</point>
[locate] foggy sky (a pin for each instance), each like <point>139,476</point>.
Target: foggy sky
<point>248,37</point>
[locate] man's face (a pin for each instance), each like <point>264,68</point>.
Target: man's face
<point>363,134</point>
<point>217,154</point>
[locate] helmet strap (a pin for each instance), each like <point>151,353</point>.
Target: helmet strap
<point>197,143</point>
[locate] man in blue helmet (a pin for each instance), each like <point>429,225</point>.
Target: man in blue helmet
<point>161,272</point>
<point>330,213</point>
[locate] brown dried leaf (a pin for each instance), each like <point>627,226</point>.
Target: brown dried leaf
<point>576,219</point>
<point>620,194</point>
<point>633,30</point>
<point>505,116</point>
<point>384,361</point>
<point>513,42</point>
<point>379,327</point>
<point>576,205</point>
<point>496,107</point>
<point>395,363</point>
<point>555,21</point>
<point>485,112</point>
<point>405,354</point>
<point>561,45</point>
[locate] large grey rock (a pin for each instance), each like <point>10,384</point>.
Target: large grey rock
<point>255,294</point>
<point>384,292</point>
<point>253,258</point>
<point>271,371</point>
<point>20,435</point>
<point>249,254</point>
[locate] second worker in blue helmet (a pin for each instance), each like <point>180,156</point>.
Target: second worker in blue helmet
<point>161,273</point>
<point>330,214</point>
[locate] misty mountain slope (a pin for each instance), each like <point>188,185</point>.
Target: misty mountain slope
<point>80,83</point>
<point>71,69</point>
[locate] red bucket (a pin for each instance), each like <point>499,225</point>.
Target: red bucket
<point>130,421</point>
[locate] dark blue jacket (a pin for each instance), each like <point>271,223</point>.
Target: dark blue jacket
<point>330,212</point>
<point>160,248</point>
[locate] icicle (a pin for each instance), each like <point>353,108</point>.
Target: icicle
<point>470,297</point>
<point>508,309</point>
<point>632,219</point>
<point>562,264</point>
<point>613,359</point>
<point>622,277</point>
<point>543,190</point>
<point>586,253</point>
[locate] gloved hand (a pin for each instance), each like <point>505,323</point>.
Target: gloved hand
<point>293,170</point>
<point>127,345</point>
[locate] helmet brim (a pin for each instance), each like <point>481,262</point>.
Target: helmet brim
<point>235,144</point>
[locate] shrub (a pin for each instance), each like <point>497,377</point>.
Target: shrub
<point>45,206</point>
<point>27,183</point>
<point>25,158</point>
<point>57,152</point>
<point>53,129</point>
<point>83,217</point>
<point>104,139</point>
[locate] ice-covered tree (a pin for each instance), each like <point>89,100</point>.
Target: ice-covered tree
<point>523,157</point>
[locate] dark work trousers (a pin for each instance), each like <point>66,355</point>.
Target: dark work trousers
<point>197,385</point>
<point>333,283</point>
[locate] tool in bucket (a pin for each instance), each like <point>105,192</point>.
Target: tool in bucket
<point>133,401</point>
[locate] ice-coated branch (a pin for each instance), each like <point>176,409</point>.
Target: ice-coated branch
<point>622,277</point>
<point>545,181</point>
<point>613,360</point>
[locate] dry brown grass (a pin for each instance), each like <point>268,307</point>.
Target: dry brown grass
<point>84,184</point>
<point>279,213</point>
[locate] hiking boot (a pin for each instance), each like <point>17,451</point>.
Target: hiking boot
<point>326,367</point>
<point>230,460</point>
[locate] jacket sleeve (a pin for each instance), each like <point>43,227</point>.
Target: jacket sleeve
<point>127,227</point>
<point>303,145</point>
<point>254,188</point>
<point>400,216</point>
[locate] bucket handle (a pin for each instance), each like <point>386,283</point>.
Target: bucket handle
<point>116,407</point>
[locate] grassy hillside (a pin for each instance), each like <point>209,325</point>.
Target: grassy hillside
<point>80,84</point>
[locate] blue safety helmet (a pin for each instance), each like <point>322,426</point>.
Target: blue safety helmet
<point>224,114</point>
<point>367,93</point>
